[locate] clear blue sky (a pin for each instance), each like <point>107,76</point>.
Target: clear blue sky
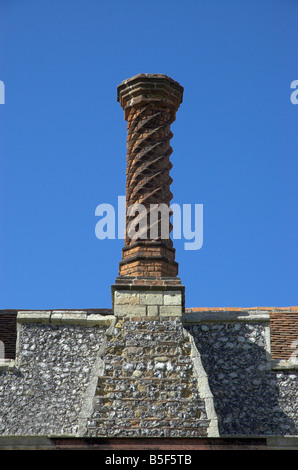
<point>63,144</point>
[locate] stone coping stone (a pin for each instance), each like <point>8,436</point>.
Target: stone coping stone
<point>88,317</point>
<point>163,287</point>
<point>7,364</point>
<point>80,317</point>
<point>224,316</point>
<point>281,364</point>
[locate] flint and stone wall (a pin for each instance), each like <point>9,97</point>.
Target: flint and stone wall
<point>43,392</point>
<point>77,374</point>
<point>253,395</point>
<point>151,385</point>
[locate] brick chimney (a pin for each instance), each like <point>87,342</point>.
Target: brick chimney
<point>150,102</point>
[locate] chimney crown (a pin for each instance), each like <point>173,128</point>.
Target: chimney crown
<point>149,88</point>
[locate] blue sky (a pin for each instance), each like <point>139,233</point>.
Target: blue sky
<point>63,144</point>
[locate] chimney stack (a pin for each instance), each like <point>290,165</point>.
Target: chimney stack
<point>150,102</point>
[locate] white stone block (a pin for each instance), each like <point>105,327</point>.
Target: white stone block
<point>151,298</point>
<point>123,310</point>
<point>34,316</point>
<point>170,311</point>
<point>74,317</point>
<point>56,317</point>
<point>95,319</point>
<point>126,298</point>
<point>172,298</point>
<point>152,310</point>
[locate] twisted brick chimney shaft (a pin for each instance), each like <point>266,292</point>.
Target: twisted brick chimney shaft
<point>150,102</point>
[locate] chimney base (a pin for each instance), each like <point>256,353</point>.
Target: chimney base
<point>148,259</point>
<point>148,297</point>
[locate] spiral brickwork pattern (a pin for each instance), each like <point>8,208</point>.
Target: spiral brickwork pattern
<point>150,102</point>
<point>148,162</point>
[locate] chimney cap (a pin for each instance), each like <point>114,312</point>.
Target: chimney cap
<point>150,87</point>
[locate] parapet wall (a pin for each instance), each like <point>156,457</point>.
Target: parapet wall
<point>205,374</point>
<point>254,394</point>
<point>42,392</point>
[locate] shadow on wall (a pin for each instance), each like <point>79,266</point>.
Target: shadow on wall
<point>249,399</point>
<point>8,334</point>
